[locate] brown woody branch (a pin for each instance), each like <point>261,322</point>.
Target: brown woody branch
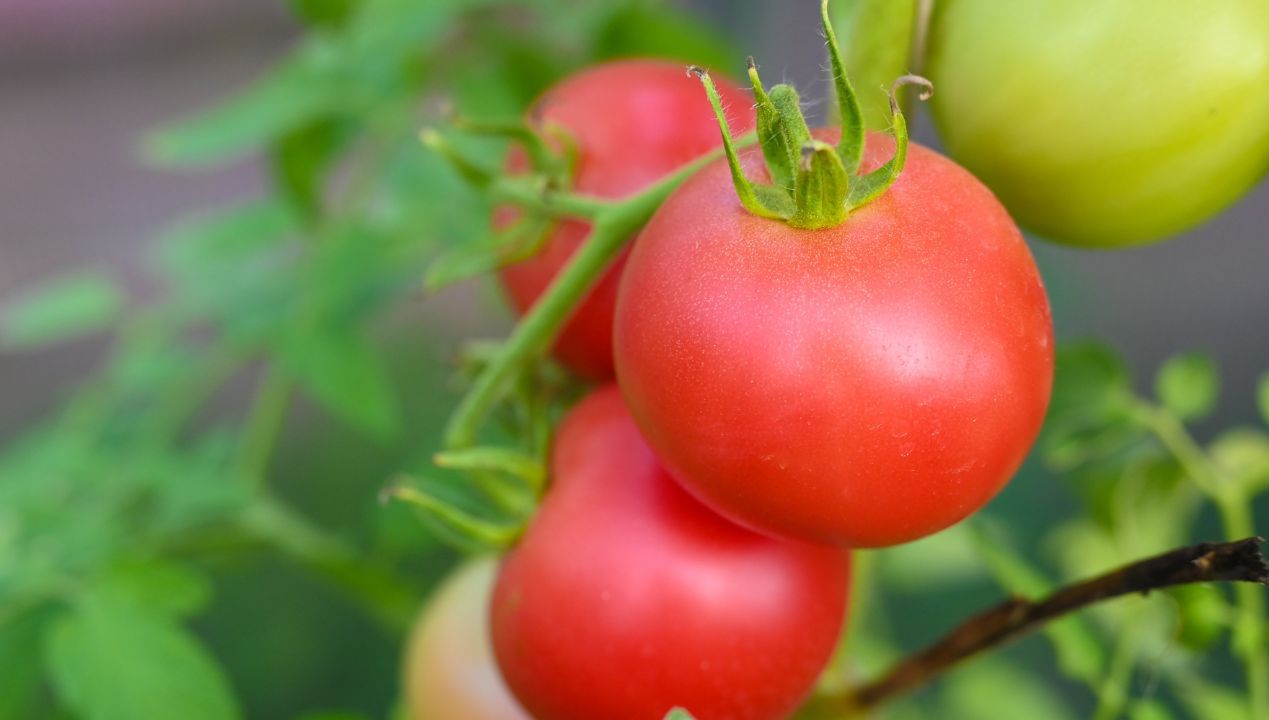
<point>1238,561</point>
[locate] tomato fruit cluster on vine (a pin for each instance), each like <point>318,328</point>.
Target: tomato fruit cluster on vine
<point>825,340</point>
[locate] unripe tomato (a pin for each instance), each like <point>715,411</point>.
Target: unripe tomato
<point>863,385</point>
<point>450,673</point>
<point>1105,123</point>
<point>633,122</point>
<point>626,597</point>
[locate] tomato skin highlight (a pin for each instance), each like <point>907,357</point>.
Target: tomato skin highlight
<point>633,122</point>
<point>1105,124</point>
<point>450,673</point>
<point>627,597</point>
<point>863,385</point>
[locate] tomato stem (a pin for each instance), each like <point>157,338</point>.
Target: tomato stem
<point>615,224</point>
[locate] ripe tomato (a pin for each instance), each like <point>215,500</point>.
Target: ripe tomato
<point>450,672</point>
<point>626,597</point>
<point>633,122</point>
<point>862,385</point>
<point>1110,123</point>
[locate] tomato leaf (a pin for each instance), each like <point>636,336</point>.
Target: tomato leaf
<point>300,159</point>
<point>345,374</point>
<point>111,659</point>
<point>1188,385</point>
<point>875,38</point>
<point>165,587</point>
<point>62,310</point>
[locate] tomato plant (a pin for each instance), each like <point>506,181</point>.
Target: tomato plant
<point>626,597</point>
<point>630,123</point>
<point>450,673</point>
<point>1106,124</point>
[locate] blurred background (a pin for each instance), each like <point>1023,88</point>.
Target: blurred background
<point>83,83</point>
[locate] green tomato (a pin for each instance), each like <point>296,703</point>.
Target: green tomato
<point>1107,123</point>
<point>450,672</point>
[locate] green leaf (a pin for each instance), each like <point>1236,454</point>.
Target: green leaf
<point>1262,397</point>
<point>875,38</point>
<point>61,310</point>
<point>113,660</point>
<point>344,373</point>
<point>297,91</point>
<point>679,714</point>
<point>1089,378</point>
<point>300,159</point>
<point>163,587</point>
<point>1205,615</point>
<point>326,14</point>
<point>1188,385</point>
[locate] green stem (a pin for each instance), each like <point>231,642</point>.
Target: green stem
<point>614,226</point>
<point>264,426</point>
<point>529,195</point>
<point>1250,637</point>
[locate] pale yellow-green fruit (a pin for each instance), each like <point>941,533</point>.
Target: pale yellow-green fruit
<point>1106,123</point>
<point>450,671</point>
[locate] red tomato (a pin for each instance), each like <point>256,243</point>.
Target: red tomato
<point>633,122</point>
<point>626,597</point>
<point>862,385</point>
<point>450,672</point>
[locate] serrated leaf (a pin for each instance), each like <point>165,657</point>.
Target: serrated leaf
<point>111,660</point>
<point>61,310</point>
<point>876,39</point>
<point>1188,385</point>
<point>344,373</point>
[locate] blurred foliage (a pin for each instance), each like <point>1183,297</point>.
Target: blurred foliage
<point>166,551</point>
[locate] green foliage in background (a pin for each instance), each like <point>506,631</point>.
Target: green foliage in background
<point>195,532</point>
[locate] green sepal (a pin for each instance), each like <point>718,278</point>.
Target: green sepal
<point>815,185</point>
<point>850,147</point>
<point>872,185</point>
<point>453,523</point>
<point>822,186</point>
<point>495,459</point>
<point>471,171</point>
<point>782,130</point>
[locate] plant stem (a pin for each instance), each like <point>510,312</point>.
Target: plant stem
<point>525,194</point>
<point>1250,637</point>
<point>1239,561</point>
<point>264,425</point>
<point>614,225</point>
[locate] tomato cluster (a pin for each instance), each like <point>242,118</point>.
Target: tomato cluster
<point>832,340</point>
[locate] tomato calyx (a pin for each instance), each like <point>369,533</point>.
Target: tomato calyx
<point>814,185</point>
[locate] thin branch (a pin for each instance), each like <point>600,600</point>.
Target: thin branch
<point>1238,561</point>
